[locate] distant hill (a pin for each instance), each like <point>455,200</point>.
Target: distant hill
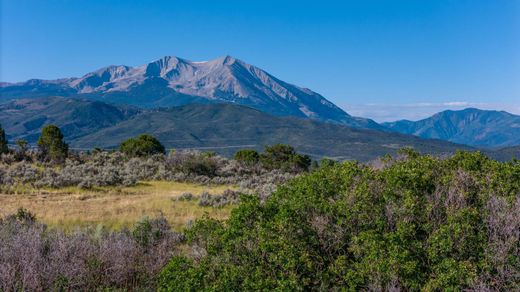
<point>24,118</point>
<point>223,128</point>
<point>172,81</point>
<point>504,154</point>
<point>479,128</point>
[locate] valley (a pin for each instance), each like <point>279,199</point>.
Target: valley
<point>259,146</point>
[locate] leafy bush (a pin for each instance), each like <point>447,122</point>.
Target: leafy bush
<point>326,162</point>
<point>417,223</point>
<point>248,157</point>
<point>149,232</point>
<point>284,157</point>
<point>142,145</point>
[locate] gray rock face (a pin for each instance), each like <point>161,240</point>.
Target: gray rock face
<point>481,128</point>
<point>172,81</point>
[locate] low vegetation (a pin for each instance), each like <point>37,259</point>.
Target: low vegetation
<point>261,221</point>
<point>36,258</point>
<point>116,208</point>
<point>143,145</point>
<point>413,223</point>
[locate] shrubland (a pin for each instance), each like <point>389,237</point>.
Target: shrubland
<point>34,257</point>
<point>411,222</point>
<point>407,223</point>
<point>142,158</point>
<point>101,169</point>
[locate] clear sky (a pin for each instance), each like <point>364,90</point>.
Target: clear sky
<point>380,59</point>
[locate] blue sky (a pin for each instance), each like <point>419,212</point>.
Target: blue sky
<point>380,59</point>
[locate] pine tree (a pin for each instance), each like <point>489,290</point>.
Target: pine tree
<point>3,142</point>
<point>51,144</point>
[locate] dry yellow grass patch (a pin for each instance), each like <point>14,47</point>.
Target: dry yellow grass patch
<point>114,208</point>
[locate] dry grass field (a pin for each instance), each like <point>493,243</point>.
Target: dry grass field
<point>114,208</point>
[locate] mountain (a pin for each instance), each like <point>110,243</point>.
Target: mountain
<point>504,154</point>
<point>479,128</point>
<point>172,81</point>
<point>24,118</point>
<point>223,128</point>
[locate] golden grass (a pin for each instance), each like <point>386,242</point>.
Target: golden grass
<point>114,208</point>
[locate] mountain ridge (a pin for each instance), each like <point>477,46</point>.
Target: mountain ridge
<point>470,126</point>
<point>224,128</point>
<point>173,81</point>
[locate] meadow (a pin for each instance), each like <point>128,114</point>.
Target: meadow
<point>112,207</point>
<point>112,220</point>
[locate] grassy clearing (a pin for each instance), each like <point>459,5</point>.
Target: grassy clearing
<point>114,208</point>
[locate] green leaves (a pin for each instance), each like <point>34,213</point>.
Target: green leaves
<point>143,145</point>
<point>419,223</point>
<point>247,156</point>
<point>284,157</point>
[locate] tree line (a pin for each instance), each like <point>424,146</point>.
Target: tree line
<point>53,148</point>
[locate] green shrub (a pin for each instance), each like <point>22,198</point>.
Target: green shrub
<point>247,156</point>
<point>175,275</point>
<point>326,162</point>
<point>284,157</point>
<point>143,145</point>
<point>148,231</point>
<point>418,223</point>
<point>203,164</point>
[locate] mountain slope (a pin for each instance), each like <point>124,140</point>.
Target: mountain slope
<point>172,81</point>
<point>223,128</point>
<point>24,118</point>
<point>481,128</point>
<point>504,154</point>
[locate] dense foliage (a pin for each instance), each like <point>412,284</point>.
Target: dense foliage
<point>407,223</point>
<point>411,223</point>
<point>143,145</point>
<point>35,258</point>
<point>51,145</point>
<point>247,156</point>
<point>3,141</point>
<point>280,156</point>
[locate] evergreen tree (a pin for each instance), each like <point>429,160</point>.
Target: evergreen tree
<point>3,142</point>
<point>51,144</point>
